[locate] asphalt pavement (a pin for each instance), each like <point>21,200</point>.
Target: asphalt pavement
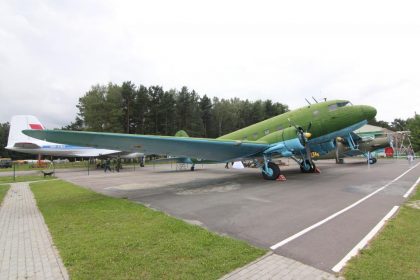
<point>316,218</point>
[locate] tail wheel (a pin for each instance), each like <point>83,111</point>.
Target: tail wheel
<point>272,172</point>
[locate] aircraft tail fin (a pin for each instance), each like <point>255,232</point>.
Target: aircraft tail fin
<point>181,133</point>
<point>19,123</point>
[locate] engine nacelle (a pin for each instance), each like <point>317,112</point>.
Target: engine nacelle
<point>280,135</point>
<point>285,142</point>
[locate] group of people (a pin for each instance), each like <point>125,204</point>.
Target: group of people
<point>116,165</point>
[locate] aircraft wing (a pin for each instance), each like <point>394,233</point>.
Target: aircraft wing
<point>184,160</point>
<point>96,153</point>
<point>173,159</point>
<point>200,148</point>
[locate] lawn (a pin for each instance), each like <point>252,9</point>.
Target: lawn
<point>100,237</point>
<point>25,178</point>
<point>63,165</point>
<point>3,191</point>
<point>395,252</point>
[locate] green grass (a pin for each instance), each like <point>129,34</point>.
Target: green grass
<point>101,237</point>
<point>395,252</point>
<point>3,191</point>
<point>26,178</point>
<point>64,165</point>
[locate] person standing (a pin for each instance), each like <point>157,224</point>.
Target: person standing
<point>107,165</point>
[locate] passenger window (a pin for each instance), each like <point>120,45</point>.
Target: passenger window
<point>255,135</point>
<point>245,138</point>
<point>267,131</point>
<point>280,127</point>
<point>332,107</point>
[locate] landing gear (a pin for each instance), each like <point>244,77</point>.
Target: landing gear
<point>272,172</point>
<point>192,168</point>
<point>307,166</point>
<point>372,160</point>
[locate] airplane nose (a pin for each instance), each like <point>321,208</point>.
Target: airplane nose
<point>369,112</point>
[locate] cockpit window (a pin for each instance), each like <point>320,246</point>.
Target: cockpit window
<point>342,104</point>
<point>333,107</point>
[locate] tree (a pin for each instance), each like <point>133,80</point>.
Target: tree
<point>413,124</point>
<point>154,116</point>
<point>206,114</point>
<point>130,109</point>
<point>399,125</point>
<point>4,134</point>
<point>140,110</point>
<point>128,93</point>
<point>113,119</point>
<point>167,111</point>
<point>77,125</point>
<point>383,124</point>
<point>92,108</point>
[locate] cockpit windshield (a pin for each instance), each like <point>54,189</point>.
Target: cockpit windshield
<point>342,104</point>
<point>333,107</point>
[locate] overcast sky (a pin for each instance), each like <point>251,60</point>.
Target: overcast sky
<point>52,52</point>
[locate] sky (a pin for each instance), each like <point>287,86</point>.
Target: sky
<point>52,52</point>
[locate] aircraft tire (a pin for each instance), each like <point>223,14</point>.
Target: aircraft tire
<point>275,169</point>
<point>311,169</point>
<point>372,160</point>
<point>192,168</point>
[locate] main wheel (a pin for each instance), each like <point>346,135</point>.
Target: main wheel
<point>192,168</point>
<point>273,171</point>
<point>372,160</point>
<point>307,166</point>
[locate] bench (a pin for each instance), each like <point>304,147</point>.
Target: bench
<point>47,172</point>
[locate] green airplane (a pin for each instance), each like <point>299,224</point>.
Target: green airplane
<point>294,134</point>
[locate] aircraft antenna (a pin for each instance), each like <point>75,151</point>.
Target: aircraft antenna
<point>308,101</point>
<point>314,99</point>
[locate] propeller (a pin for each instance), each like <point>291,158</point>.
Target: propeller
<point>302,134</point>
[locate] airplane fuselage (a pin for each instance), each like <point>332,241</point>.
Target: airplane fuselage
<point>322,119</point>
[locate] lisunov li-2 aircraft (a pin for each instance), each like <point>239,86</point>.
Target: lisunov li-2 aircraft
<point>22,143</point>
<point>294,134</point>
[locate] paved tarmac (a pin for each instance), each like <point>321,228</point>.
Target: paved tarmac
<point>241,204</point>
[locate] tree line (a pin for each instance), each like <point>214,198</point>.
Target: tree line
<point>128,108</point>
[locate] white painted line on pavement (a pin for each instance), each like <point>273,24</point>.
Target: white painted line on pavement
<point>302,232</point>
<point>364,241</point>
<point>412,188</point>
